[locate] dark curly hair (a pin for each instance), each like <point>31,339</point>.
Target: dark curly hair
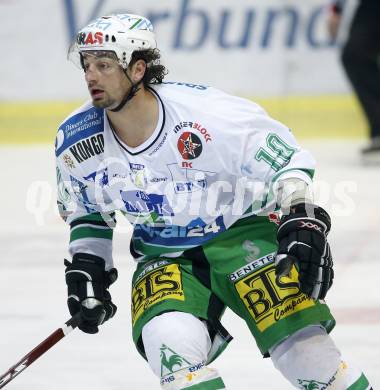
<point>155,72</point>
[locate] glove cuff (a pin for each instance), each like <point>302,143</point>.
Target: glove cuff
<point>89,258</point>
<point>311,211</point>
<point>110,276</point>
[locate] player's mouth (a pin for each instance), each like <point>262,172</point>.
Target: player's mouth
<point>96,93</point>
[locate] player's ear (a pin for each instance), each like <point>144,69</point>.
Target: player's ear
<point>138,70</point>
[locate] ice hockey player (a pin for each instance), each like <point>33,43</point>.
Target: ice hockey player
<point>218,196</point>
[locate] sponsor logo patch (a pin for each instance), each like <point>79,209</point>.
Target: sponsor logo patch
<point>314,385</point>
<point>158,147</point>
<point>90,38</point>
<point>141,203</point>
<point>155,287</point>
<point>68,161</point>
<point>151,268</point>
<point>252,249</point>
<point>87,148</point>
<point>80,190</point>
<point>138,175</point>
<point>193,230</point>
<point>88,121</point>
<point>59,139</point>
<point>190,186</point>
<point>158,179</point>
<point>274,217</point>
<point>187,164</point>
<point>187,179</point>
<point>310,384</point>
<point>196,126</point>
<point>269,300</point>
<point>171,361</point>
<point>309,225</point>
<point>189,145</point>
<point>62,191</point>
<point>196,86</point>
<point>251,267</point>
<point>100,177</point>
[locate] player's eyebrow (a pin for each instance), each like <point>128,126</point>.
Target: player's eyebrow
<point>99,54</point>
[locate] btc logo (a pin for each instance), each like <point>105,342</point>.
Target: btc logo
<point>160,284</point>
<point>268,300</point>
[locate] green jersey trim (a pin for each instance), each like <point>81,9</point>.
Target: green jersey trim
<point>213,384</point>
<point>309,172</point>
<point>361,384</point>
<point>90,232</point>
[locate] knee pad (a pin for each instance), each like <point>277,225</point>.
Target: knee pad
<point>174,341</point>
<point>309,357</point>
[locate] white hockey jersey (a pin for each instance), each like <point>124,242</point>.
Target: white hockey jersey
<point>212,159</point>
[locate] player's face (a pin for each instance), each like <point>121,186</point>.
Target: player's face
<point>105,79</point>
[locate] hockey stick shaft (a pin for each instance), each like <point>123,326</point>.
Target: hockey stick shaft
<point>41,348</point>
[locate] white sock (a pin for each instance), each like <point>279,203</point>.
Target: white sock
<point>310,357</point>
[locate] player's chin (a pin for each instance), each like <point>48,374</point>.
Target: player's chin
<point>102,103</point>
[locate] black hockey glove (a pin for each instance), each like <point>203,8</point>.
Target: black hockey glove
<point>302,241</point>
<point>87,286</point>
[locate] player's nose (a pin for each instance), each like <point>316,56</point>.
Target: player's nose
<point>91,74</point>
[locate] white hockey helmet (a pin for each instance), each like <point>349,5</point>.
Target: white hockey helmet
<point>121,34</point>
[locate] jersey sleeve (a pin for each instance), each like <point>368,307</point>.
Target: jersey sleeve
<point>90,231</point>
<point>270,154</point>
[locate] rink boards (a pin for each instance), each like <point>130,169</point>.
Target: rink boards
<point>333,116</point>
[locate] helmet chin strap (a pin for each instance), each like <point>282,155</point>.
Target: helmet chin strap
<point>128,96</point>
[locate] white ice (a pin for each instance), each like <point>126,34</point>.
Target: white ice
<point>33,242</point>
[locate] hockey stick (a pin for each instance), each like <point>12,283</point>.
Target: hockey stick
<point>41,348</point>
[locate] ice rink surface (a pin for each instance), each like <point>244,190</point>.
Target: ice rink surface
<point>33,243</point>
